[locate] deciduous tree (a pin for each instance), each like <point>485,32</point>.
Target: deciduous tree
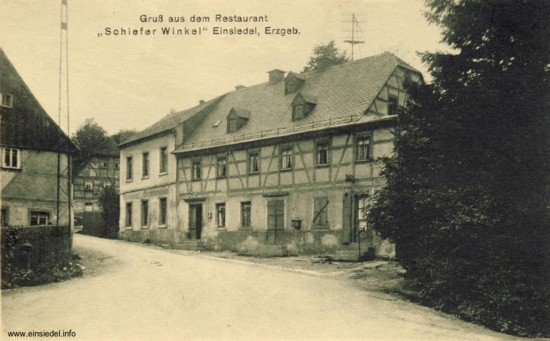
<point>325,56</point>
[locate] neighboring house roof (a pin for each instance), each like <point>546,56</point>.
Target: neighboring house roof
<point>26,124</point>
<point>167,123</point>
<point>80,164</point>
<point>339,92</point>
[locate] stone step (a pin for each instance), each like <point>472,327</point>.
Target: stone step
<point>350,252</point>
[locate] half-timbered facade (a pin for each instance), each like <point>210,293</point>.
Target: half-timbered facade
<point>292,162</point>
<point>35,157</point>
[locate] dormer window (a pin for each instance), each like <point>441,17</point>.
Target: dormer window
<point>293,82</point>
<point>236,119</point>
<point>302,106</point>
<point>297,112</point>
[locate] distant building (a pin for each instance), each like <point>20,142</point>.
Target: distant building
<point>290,163</point>
<point>90,178</point>
<point>35,157</point>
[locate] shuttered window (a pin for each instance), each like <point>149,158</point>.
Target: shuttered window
<point>320,212</point>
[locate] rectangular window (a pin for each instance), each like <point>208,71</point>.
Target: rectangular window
<point>363,148</point>
<point>320,212</point>
<point>232,125</point>
<point>322,153</point>
<point>221,168</point>
<point>129,170</point>
<point>128,214</point>
<point>39,218</point>
<point>196,169</point>
<point>246,214</point>
<point>88,207</point>
<point>7,101</point>
<point>88,185</point>
<point>11,158</point>
<point>253,162</point>
<point>276,214</point>
<point>392,105</point>
<point>162,211</point>
<point>298,112</point>
<point>163,168</point>
<point>4,216</point>
<point>286,158</point>
<point>145,165</point>
<point>144,213</point>
<point>220,214</point>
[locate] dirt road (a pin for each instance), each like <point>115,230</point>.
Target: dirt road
<point>136,292</point>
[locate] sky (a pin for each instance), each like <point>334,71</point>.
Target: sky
<point>132,81</point>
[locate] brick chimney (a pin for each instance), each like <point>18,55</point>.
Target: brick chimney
<point>275,76</point>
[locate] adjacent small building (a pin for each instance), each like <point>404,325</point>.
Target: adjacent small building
<point>148,177</point>
<point>36,156</point>
<point>289,164</point>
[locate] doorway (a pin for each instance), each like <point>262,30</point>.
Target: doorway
<point>195,221</point>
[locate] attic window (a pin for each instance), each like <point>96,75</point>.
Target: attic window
<point>7,100</point>
<point>236,119</point>
<point>298,112</point>
<point>302,106</point>
<point>392,105</point>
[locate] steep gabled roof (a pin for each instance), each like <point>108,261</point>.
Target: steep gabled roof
<point>26,124</point>
<point>340,91</point>
<point>168,123</point>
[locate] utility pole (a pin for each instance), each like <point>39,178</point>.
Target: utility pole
<point>353,42</point>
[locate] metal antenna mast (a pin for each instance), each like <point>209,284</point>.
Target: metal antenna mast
<point>353,42</point>
<point>64,107</point>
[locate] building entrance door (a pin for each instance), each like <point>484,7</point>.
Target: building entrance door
<point>195,221</point>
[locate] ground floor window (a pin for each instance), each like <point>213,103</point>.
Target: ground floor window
<point>246,212</point>
<point>275,214</point>
<point>88,207</point>
<point>144,213</point>
<point>128,214</point>
<point>220,216</point>
<point>40,218</point>
<point>320,212</point>
<point>162,211</point>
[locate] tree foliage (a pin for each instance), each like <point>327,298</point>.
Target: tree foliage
<point>108,200</point>
<point>325,56</point>
<point>467,199</point>
<point>122,135</point>
<point>93,139</point>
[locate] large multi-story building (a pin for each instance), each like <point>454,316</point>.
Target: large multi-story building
<point>35,157</point>
<point>290,162</point>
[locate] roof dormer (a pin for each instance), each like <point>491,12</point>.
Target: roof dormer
<point>302,106</point>
<point>293,82</point>
<point>236,119</point>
